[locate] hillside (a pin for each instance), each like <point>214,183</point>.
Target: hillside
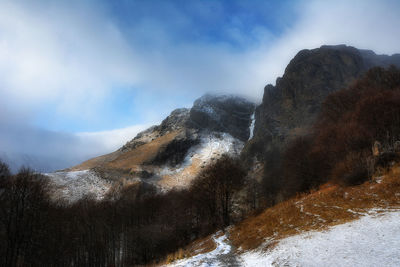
<point>344,171</point>
<point>353,226</point>
<point>168,155</point>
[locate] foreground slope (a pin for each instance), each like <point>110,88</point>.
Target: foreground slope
<point>373,240</point>
<point>334,226</point>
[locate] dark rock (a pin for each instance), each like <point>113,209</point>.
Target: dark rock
<point>386,159</point>
<point>144,174</point>
<point>175,121</point>
<point>175,152</point>
<point>230,114</point>
<point>291,106</point>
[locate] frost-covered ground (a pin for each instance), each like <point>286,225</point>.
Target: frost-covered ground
<point>212,146</point>
<point>373,240</point>
<point>76,184</point>
<point>220,256</point>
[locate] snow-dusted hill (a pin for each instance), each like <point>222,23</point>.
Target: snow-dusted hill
<point>168,155</point>
<point>73,185</point>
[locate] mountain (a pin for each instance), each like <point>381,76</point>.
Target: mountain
<point>168,155</point>
<point>289,108</point>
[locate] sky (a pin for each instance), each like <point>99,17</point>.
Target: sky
<point>81,78</point>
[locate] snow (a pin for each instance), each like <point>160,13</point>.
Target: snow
<point>74,185</point>
<point>210,258</point>
<point>253,121</point>
<point>214,145</point>
<point>373,240</point>
<point>211,147</point>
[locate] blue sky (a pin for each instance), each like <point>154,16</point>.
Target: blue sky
<point>90,74</point>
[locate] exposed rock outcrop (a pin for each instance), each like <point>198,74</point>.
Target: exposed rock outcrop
<point>289,108</point>
<point>229,114</point>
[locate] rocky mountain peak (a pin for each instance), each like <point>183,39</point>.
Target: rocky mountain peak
<point>175,121</point>
<point>222,113</point>
<point>290,107</point>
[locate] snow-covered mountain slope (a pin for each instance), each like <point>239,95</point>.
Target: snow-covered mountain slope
<point>168,155</point>
<point>212,145</point>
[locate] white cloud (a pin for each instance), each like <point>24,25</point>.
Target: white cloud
<point>76,55</point>
<point>50,53</point>
<point>49,151</point>
<point>111,140</point>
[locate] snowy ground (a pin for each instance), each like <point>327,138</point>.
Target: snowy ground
<point>373,240</point>
<point>76,184</point>
<point>220,256</point>
<point>212,146</point>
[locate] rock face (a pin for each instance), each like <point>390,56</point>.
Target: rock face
<point>289,108</point>
<point>227,114</point>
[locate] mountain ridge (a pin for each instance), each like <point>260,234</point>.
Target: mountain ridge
<point>171,154</point>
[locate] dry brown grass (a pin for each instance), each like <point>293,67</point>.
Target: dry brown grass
<point>95,162</point>
<point>183,178</point>
<point>331,205</point>
<point>130,159</point>
<point>142,153</point>
<point>199,246</point>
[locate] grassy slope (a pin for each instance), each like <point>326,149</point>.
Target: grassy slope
<point>318,210</point>
<point>128,159</point>
<point>331,205</point>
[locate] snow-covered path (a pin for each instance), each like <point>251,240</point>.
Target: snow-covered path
<point>220,256</point>
<point>373,240</point>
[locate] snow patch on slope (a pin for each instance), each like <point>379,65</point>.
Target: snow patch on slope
<point>214,145</point>
<point>209,258</point>
<point>373,240</point>
<point>74,185</point>
<point>211,147</point>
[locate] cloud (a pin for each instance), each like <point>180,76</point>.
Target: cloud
<point>111,140</point>
<point>53,53</point>
<point>76,54</point>
<point>46,151</point>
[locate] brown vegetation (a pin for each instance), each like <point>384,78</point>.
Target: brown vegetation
<point>339,149</point>
<point>131,158</point>
<point>318,210</point>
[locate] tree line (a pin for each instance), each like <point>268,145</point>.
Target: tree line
<point>135,226</point>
